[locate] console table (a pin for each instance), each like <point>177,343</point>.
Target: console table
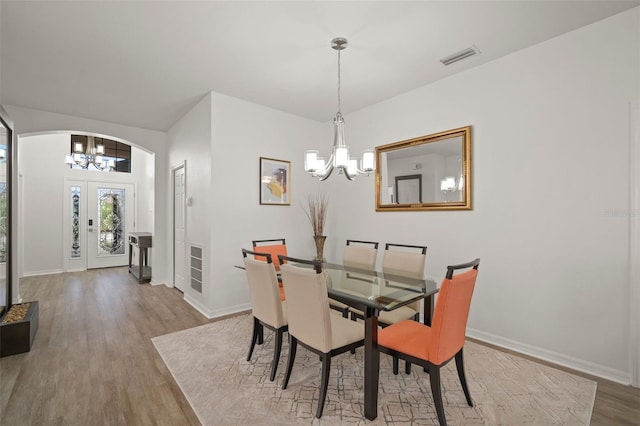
<point>141,240</point>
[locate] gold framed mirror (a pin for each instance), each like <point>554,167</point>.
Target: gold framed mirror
<point>431,172</point>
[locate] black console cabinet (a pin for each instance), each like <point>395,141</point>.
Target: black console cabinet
<point>141,240</point>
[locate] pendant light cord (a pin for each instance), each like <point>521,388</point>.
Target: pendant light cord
<point>339,83</point>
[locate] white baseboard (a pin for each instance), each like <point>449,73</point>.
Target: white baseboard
<point>230,310</point>
<point>577,364</point>
<point>209,314</point>
<point>38,273</point>
<point>196,305</point>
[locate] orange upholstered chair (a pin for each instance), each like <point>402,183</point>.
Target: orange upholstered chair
<point>267,304</point>
<point>270,246</point>
<point>433,347</point>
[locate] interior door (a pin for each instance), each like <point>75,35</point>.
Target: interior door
<point>179,228</point>
<point>110,218</point>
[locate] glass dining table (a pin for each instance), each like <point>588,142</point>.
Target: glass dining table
<point>372,292</point>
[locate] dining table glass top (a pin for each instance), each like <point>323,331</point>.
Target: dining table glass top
<point>375,289</point>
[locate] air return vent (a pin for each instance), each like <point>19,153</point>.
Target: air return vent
<point>195,274</point>
<point>458,56</point>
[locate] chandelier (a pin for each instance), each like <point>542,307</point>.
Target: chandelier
<point>340,158</point>
<point>92,156</point>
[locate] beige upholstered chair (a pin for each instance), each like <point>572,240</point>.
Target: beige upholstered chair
<point>312,323</point>
<point>360,254</point>
<point>357,254</point>
<point>408,261</point>
<point>407,264</point>
<point>268,309</point>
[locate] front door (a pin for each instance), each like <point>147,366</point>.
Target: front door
<point>110,218</point>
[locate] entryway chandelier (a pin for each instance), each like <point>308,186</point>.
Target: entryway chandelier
<point>93,155</point>
<point>340,158</point>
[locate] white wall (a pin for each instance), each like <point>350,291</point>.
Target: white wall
<point>550,152</point>
<point>242,133</point>
<point>221,140</point>
<point>29,121</point>
<point>190,142</point>
<point>41,174</point>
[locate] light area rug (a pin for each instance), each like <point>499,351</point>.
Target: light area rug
<point>209,364</point>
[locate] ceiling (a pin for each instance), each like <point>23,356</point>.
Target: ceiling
<point>145,64</point>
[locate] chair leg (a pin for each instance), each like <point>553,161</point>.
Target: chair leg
<point>260,334</point>
<point>395,365</point>
<point>407,367</point>
<point>345,313</point>
<point>463,379</point>
<point>434,375</point>
<point>293,345</point>
<point>254,337</point>
<point>276,354</point>
<point>324,384</point>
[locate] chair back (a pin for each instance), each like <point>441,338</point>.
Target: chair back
<point>405,263</point>
<point>449,322</point>
<point>264,289</point>
<point>270,246</point>
<point>307,304</point>
<point>361,255</point>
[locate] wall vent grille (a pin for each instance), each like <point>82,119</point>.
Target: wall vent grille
<point>195,274</point>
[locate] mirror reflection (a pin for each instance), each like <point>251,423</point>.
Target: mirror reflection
<point>431,172</point>
<point>4,210</point>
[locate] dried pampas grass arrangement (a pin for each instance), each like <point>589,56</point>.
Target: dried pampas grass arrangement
<point>317,212</point>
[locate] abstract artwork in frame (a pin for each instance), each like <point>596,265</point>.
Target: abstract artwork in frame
<point>275,182</point>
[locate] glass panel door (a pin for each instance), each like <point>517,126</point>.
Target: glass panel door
<point>109,220</point>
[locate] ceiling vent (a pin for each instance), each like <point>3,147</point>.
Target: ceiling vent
<point>458,56</point>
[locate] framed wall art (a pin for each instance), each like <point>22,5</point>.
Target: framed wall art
<point>275,182</point>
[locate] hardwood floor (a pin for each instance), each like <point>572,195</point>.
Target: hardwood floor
<point>93,363</point>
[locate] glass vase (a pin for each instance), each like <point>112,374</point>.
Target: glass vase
<point>319,239</point>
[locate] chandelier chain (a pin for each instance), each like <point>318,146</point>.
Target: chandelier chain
<point>339,81</point>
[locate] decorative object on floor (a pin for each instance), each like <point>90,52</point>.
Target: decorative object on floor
<point>340,158</point>
<point>18,328</point>
<point>316,212</point>
<point>209,364</point>
<point>275,181</point>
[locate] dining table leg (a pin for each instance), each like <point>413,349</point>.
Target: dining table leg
<point>428,305</point>
<point>371,363</point>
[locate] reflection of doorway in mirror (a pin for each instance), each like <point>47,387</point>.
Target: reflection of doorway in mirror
<point>409,189</point>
